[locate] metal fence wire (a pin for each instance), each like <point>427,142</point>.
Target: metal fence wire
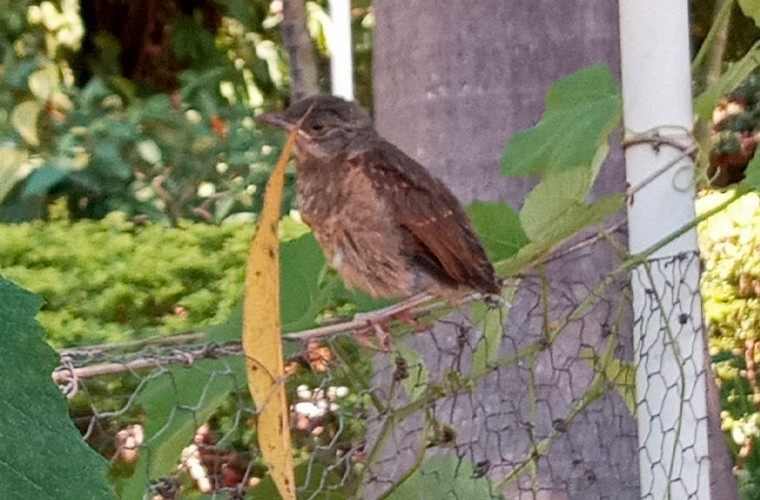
<point>532,398</point>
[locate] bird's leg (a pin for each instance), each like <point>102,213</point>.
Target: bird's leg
<point>378,339</point>
<point>378,320</point>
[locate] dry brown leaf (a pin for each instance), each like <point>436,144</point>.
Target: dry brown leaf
<point>262,341</point>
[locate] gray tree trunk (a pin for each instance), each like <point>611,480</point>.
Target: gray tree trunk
<point>295,37</point>
<point>453,81</point>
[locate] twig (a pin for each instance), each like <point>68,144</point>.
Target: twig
<point>654,175</point>
<point>134,345</point>
<point>67,373</point>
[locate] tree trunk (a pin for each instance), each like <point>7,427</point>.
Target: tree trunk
<point>453,81</point>
<point>295,37</point>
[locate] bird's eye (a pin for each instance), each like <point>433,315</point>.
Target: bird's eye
<point>317,127</point>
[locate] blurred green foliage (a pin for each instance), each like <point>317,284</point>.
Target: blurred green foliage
<point>154,126</point>
<point>729,243</point>
<point>114,281</point>
<point>105,143</point>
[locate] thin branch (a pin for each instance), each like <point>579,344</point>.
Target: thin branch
<point>295,37</point>
<point>688,152</point>
<point>66,374</point>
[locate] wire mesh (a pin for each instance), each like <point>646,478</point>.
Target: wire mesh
<point>531,398</point>
<point>671,378</point>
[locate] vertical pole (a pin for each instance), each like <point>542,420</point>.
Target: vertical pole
<point>341,59</point>
<point>668,331</point>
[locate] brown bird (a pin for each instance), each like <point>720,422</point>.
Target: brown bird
<point>386,224</point>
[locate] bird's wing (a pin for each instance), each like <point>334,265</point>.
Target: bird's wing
<point>437,231</point>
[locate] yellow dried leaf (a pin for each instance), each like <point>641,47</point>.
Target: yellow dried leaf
<point>261,335</point>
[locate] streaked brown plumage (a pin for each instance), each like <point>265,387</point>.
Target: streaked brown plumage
<point>383,221</point>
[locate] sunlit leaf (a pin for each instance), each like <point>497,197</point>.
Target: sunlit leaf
<point>490,320</point>
<point>621,375</point>
<point>576,218</point>
<point>262,342</point>
<point>11,159</point>
<point>149,151</point>
<point>44,82</point>
<point>557,193</point>
<point>582,110</point>
<point>24,119</point>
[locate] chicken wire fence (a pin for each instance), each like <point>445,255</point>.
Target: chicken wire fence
<point>530,398</point>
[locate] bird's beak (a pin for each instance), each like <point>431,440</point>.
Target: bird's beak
<point>276,119</point>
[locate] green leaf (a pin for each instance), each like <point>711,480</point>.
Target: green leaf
<point>490,320</point>
<point>621,375</point>
<point>582,110</point>
<point>292,228</point>
<point>42,179</point>
<point>557,193</point>
<point>176,403</point>
<point>569,223</point>
<point>44,455</point>
<point>499,228</point>
<point>417,382</point>
<point>24,120</point>
<point>301,264</point>
<point>751,9</point>
<point>442,477</point>
<point>752,174</point>
<point>705,103</point>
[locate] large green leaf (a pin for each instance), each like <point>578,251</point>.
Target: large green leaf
<point>42,455</point>
<point>551,199</point>
<point>499,228</point>
<point>738,72</point>
<point>582,110</point>
<point>575,218</point>
<point>444,477</point>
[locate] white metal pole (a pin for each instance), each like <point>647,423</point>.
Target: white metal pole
<point>668,331</point>
<point>341,59</point>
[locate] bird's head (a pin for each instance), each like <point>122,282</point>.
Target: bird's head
<point>328,127</point>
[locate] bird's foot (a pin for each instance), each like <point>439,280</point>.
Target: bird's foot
<point>377,338</point>
<point>377,334</point>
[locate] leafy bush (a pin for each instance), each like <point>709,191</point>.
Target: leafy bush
<point>114,280</point>
<point>107,143</point>
<point>729,243</point>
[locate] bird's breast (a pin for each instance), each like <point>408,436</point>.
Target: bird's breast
<point>356,230</point>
